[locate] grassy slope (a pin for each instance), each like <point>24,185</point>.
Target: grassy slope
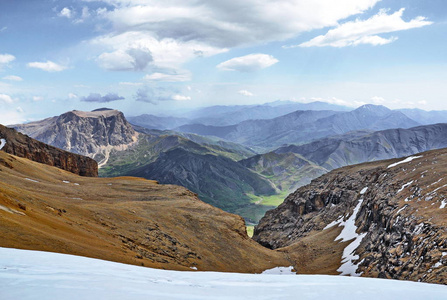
<point>129,220</point>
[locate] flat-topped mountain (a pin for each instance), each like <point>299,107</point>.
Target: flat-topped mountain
<point>18,144</point>
<point>93,134</point>
<point>382,219</point>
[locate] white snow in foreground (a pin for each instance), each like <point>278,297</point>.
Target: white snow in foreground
<point>2,143</point>
<point>443,204</point>
<point>280,271</point>
<point>39,275</point>
<point>363,190</point>
<point>404,186</point>
<point>408,159</point>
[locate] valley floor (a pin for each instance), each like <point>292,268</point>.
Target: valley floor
<point>28,274</point>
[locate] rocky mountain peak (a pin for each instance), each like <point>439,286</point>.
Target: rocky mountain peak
<point>91,133</point>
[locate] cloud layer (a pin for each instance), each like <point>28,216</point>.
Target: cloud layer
<point>47,66</point>
<point>366,31</point>
<point>95,97</point>
<point>248,63</point>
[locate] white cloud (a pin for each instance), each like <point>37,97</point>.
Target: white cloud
<point>131,83</point>
<point>48,66</point>
<point>422,102</point>
<point>248,63</point>
<point>366,31</point>
<point>245,93</point>
<point>3,28</point>
<point>66,12</point>
<point>230,23</point>
<point>19,109</point>
<point>180,98</point>
<point>138,51</point>
<point>173,76</point>
<point>177,31</point>
<point>72,96</point>
<point>6,58</point>
<point>37,98</point>
<point>13,78</point>
<point>378,100</point>
<point>6,98</point>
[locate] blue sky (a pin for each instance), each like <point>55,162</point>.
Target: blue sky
<point>147,56</point>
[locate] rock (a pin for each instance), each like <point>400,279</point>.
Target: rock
<point>24,146</point>
<point>400,238</point>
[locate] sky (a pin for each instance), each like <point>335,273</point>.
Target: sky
<point>149,56</point>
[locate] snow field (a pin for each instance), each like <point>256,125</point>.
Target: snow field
<point>39,275</point>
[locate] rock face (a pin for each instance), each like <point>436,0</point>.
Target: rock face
<point>391,215</point>
<point>93,134</point>
<point>23,146</point>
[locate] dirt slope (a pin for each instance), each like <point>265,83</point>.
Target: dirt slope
<point>123,219</point>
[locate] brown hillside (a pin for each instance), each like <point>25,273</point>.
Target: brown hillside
<point>124,219</point>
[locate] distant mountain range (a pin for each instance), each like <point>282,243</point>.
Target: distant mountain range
<point>229,115</point>
<point>304,126</point>
<point>358,147</point>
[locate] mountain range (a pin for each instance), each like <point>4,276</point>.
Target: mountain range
<point>224,168</point>
<point>304,126</point>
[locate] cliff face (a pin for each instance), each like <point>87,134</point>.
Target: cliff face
<point>23,146</point>
<point>384,219</point>
<point>93,134</point>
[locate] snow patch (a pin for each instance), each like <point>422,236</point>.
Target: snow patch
<point>29,179</point>
<point>443,204</point>
<point>193,268</point>
<point>280,271</point>
<point>408,159</point>
<point>349,232</point>
<point>404,186</point>
<point>363,190</point>
<point>65,181</point>
<point>400,210</point>
<point>2,143</point>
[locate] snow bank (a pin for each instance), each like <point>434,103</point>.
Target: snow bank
<point>2,143</point>
<point>29,275</point>
<point>408,159</point>
<point>280,271</point>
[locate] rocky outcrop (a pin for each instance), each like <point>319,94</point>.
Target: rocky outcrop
<point>93,134</point>
<point>391,215</point>
<point>23,146</point>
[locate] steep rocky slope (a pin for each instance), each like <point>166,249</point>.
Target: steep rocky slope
<point>21,145</point>
<point>126,219</point>
<point>93,134</point>
<point>383,219</point>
